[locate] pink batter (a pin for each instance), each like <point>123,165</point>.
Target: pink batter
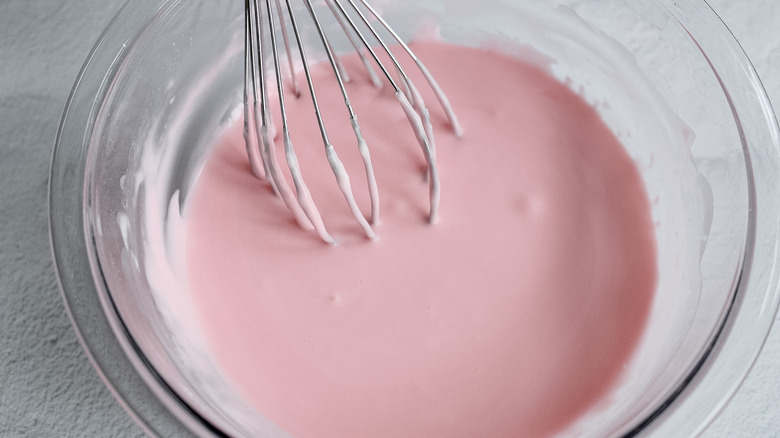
<point>511,317</point>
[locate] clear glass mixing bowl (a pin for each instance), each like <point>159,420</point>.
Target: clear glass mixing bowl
<point>666,76</point>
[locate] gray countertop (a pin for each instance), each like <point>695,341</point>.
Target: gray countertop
<point>47,385</point>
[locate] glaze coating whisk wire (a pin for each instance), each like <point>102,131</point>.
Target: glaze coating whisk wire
<point>362,25</point>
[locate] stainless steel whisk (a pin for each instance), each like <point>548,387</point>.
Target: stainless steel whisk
<point>265,19</point>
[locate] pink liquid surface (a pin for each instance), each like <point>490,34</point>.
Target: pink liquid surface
<point>511,317</point>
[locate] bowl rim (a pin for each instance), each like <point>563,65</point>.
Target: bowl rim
<point>119,362</point>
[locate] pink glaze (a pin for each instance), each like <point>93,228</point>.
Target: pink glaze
<point>511,317</point>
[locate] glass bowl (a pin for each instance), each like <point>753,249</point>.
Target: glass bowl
<point>667,77</point>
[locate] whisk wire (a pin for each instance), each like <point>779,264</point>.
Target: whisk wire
<point>258,165</point>
<point>286,39</point>
<point>301,189</point>
<point>370,70</point>
<point>437,90</point>
<point>340,173</point>
<point>268,152</point>
<point>410,101</point>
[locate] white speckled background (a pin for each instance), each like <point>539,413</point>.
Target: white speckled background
<point>47,386</point>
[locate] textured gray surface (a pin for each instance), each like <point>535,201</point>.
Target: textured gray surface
<point>47,386</point>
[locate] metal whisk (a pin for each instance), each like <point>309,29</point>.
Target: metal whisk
<point>362,26</point>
